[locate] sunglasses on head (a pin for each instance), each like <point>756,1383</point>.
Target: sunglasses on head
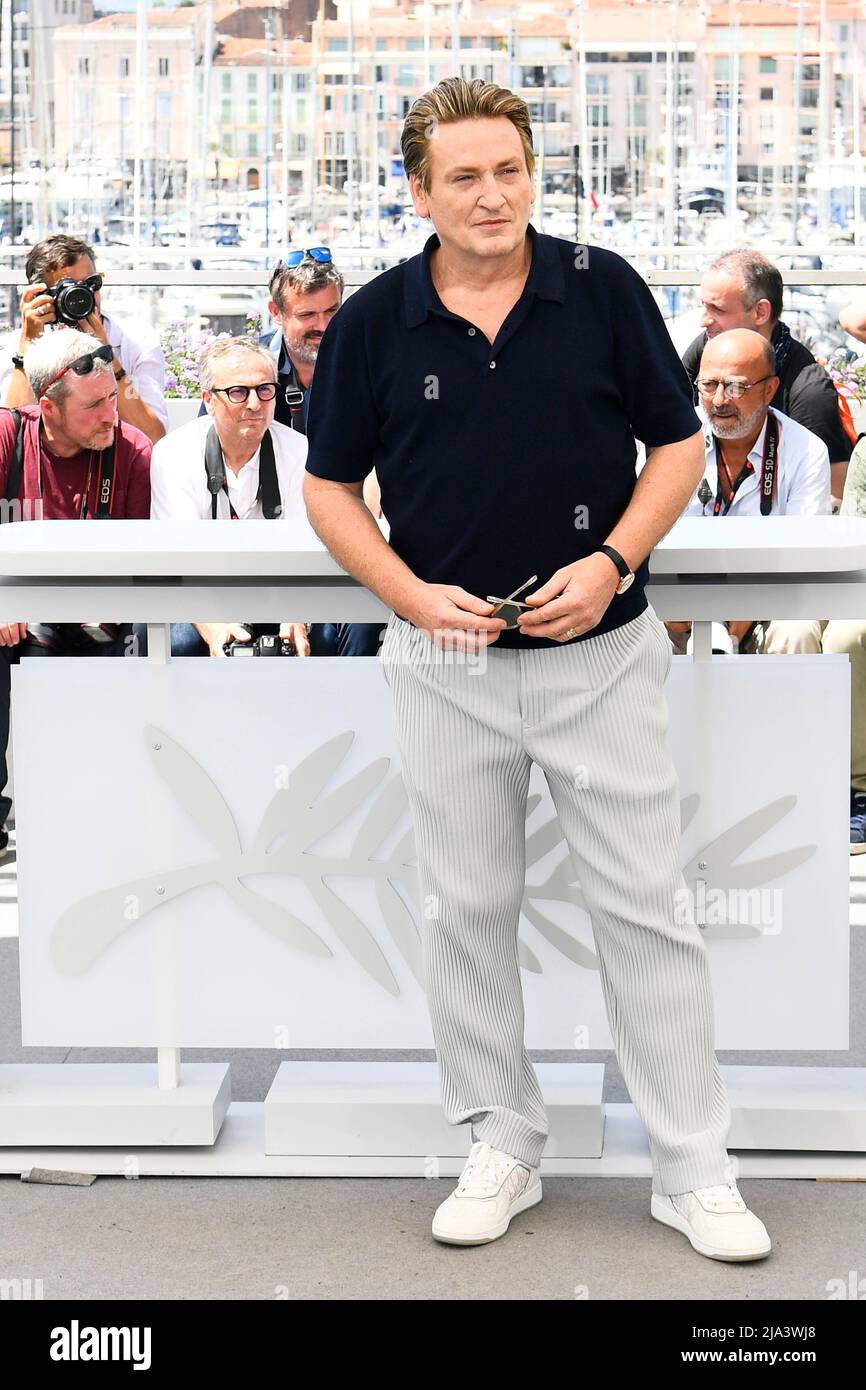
<point>83,366</point>
<point>293,258</point>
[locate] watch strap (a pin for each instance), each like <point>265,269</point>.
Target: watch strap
<point>620,563</point>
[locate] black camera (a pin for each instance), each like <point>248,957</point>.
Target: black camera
<point>265,640</point>
<point>72,638</point>
<point>74,300</point>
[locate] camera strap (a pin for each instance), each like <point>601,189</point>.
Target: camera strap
<point>16,463</point>
<point>769,471</point>
<point>268,489</point>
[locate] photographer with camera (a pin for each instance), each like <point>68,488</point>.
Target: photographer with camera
<point>67,458</point>
<point>237,463</point>
<point>64,289</point>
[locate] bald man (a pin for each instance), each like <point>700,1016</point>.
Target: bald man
<point>747,443</point>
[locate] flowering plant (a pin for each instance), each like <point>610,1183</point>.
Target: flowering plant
<point>848,372</point>
<point>183,348</point>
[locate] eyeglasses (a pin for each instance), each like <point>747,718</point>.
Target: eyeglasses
<point>83,366</point>
<point>266,391</point>
<point>293,258</point>
<point>708,386</point>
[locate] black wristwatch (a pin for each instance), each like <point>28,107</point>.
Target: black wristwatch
<point>18,361</point>
<point>626,577</point>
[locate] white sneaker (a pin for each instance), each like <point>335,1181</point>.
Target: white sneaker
<point>493,1187</point>
<point>716,1220</point>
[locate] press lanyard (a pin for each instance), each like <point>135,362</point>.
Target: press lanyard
<point>106,482</point>
<point>769,469</point>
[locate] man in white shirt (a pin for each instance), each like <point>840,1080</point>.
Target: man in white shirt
<point>257,470</point>
<point>139,363</point>
<point>751,447</point>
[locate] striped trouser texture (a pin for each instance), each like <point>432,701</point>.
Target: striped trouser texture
<point>593,715</point>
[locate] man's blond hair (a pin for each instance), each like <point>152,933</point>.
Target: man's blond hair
<point>455,99</point>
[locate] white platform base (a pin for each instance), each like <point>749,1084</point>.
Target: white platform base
<point>239,1152</point>
<point>395,1108</point>
<point>80,1105</point>
<point>822,1108</point>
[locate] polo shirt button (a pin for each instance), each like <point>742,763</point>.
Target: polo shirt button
<point>472,332</point>
<point>492,365</point>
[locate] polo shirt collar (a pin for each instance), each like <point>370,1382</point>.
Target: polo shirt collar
<point>545,279</point>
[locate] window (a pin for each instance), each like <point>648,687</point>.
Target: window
<point>227,81</point>
<point>252,82</point>
<point>252,142</point>
<point>596,84</point>
<point>414,45</point>
<point>809,96</point>
<point>300,144</point>
<point>253,112</point>
<point>83,67</point>
<point>639,118</point>
<point>767,65</point>
<point>722,68</point>
<point>124,67</point>
<point>767,149</point>
<point>766,94</point>
<point>639,84</point>
<point>163,67</point>
<point>302,81</point>
<point>337,45</point>
<point>811,72</point>
<point>301,111</point>
<point>226,116</point>
<point>227,143</point>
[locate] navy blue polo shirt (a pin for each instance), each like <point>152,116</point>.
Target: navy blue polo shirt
<point>497,462</point>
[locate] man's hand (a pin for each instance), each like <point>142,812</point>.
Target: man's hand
<point>678,627</point>
<point>739,628</point>
<point>37,309</point>
<point>454,619</point>
<point>94,326</point>
<point>12,633</point>
<point>218,634</point>
<point>576,596</point>
<point>298,634</point>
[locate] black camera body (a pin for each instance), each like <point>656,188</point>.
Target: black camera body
<point>74,300</point>
<point>265,640</point>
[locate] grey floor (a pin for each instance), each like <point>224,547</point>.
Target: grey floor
<point>369,1238</point>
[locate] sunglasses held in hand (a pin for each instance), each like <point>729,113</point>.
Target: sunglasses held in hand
<point>509,608</point>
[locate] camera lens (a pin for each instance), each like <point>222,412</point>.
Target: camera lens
<point>75,301</point>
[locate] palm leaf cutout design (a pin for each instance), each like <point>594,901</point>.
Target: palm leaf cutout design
<point>301,814</point>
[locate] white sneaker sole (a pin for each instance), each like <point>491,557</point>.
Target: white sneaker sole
<point>857,848</point>
<point>529,1198</point>
<point>714,1252</point>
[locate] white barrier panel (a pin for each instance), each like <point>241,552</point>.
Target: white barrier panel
<point>220,854</point>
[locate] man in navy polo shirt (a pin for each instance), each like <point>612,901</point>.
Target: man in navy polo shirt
<point>497,382</point>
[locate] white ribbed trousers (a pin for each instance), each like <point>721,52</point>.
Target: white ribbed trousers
<point>594,716</point>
